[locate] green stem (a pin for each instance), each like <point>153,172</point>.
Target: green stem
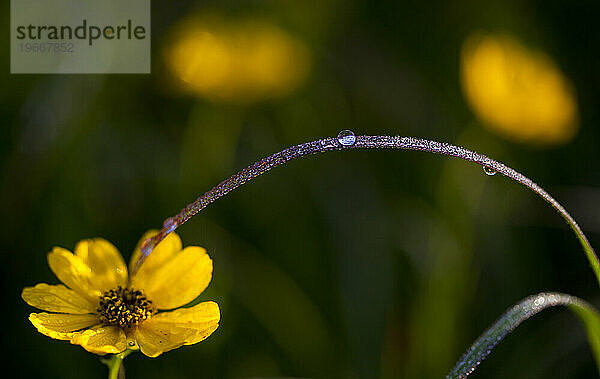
<point>358,142</point>
<point>114,364</point>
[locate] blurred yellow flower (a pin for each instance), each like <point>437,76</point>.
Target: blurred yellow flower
<point>236,61</point>
<point>104,311</point>
<point>517,92</point>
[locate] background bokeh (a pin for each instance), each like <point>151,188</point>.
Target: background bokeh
<point>355,264</point>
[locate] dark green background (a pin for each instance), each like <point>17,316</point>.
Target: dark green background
<point>356,264</point>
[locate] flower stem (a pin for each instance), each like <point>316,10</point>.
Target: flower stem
<point>114,364</point>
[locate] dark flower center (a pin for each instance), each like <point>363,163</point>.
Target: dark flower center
<point>124,307</point>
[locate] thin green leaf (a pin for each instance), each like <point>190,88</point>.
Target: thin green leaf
<point>516,315</point>
<point>343,142</point>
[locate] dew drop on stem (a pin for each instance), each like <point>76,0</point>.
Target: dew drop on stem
<point>346,138</point>
<point>169,225</point>
<point>146,247</point>
<point>489,171</point>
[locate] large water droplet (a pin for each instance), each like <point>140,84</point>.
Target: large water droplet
<point>489,171</point>
<point>346,138</point>
<point>169,225</point>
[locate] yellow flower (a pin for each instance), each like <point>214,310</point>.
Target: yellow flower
<point>236,61</point>
<point>517,92</point>
<point>105,311</point>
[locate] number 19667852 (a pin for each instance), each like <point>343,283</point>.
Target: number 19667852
<point>46,47</point>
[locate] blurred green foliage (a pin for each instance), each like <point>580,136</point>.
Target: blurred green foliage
<point>370,264</point>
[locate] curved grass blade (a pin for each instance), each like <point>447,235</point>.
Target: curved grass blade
<point>520,312</point>
<point>347,140</point>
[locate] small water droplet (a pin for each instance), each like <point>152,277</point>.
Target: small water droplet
<point>539,301</point>
<point>346,138</point>
<point>489,171</point>
<point>146,247</point>
<point>131,343</point>
<point>169,225</point>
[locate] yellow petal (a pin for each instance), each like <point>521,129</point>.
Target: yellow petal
<point>170,330</point>
<point>161,254</point>
<point>61,326</point>
<point>198,317</point>
<point>108,269</point>
<point>57,298</point>
<point>73,271</point>
<point>101,339</point>
<point>178,281</point>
